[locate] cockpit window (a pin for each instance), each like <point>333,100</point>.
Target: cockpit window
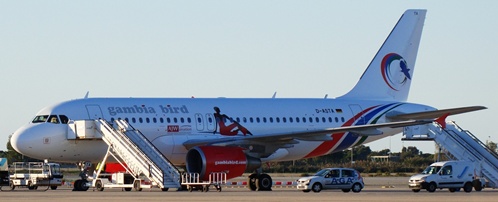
<point>64,119</point>
<point>53,119</point>
<point>40,119</point>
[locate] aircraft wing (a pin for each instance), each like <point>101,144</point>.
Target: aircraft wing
<point>311,135</point>
<point>396,116</point>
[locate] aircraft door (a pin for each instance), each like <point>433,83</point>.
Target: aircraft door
<point>356,109</point>
<point>199,122</point>
<point>210,122</point>
<point>94,111</point>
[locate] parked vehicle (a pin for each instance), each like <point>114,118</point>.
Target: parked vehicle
<point>35,174</point>
<point>346,179</point>
<point>448,174</point>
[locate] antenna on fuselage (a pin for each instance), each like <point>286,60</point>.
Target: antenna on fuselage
<point>86,95</point>
<point>274,94</point>
<point>326,96</point>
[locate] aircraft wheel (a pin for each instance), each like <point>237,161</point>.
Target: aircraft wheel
<point>251,182</point>
<point>264,182</point>
<point>83,185</point>
<point>53,187</point>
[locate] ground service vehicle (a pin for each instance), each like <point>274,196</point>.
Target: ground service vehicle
<point>346,179</point>
<point>4,172</point>
<point>448,174</point>
<point>35,174</point>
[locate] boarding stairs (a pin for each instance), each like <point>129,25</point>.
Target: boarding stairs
<point>137,152</point>
<point>461,144</point>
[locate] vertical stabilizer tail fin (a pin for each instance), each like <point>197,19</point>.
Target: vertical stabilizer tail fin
<point>389,74</point>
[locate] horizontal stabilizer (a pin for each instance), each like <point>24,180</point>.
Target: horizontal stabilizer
<point>432,114</point>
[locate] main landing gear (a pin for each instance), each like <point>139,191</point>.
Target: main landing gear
<point>82,184</point>
<point>259,182</point>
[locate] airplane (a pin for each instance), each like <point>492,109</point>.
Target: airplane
<point>238,135</point>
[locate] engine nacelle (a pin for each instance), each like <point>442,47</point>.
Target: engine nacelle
<point>231,160</point>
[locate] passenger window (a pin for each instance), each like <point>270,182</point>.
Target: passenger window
<point>278,119</point>
<point>182,120</point>
<point>189,120</point>
<point>271,119</point>
<point>251,119</point>
<point>64,119</point>
<point>264,119</point>
<point>161,120</point>
<point>147,120</point>
<point>347,173</point>
<point>284,120</point>
<point>168,120</point>
<point>154,120</point>
<point>330,119</point>
<point>311,120</point>
<point>127,121</point>
<point>175,120</point>
<point>133,120</point>
<point>297,119</point>
<point>304,120</point>
<point>53,119</point>
<point>323,120</point>
<point>336,120</point>
<point>342,119</point>
<point>317,120</point>
<point>290,119</point>
<point>334,173</point>
<point>112,120</point>
<point>140,120</point>
<point>257,119</point>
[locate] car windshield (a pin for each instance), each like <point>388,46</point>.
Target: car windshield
<point>322,172</point>
<point>431,170</point>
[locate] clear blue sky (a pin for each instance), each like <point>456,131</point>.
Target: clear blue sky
<point>52,51</point>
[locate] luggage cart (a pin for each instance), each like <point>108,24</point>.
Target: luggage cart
<point>193,182</point>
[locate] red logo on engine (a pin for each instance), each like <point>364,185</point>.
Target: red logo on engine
<point>173,128</point>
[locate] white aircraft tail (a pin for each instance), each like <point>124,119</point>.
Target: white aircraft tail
<point>390,73</point>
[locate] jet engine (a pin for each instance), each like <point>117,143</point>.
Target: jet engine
<point>231,160</point>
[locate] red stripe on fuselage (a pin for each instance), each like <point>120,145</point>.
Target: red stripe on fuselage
<point>327,145</point>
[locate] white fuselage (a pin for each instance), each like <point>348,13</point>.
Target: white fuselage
<point>169,122</point>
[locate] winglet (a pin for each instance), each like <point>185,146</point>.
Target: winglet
<point>442,120</point>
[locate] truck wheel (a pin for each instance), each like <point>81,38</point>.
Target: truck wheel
<point>99,185</point>
<point>136,185</point>
<point>415,190</point>
<point>11,185</point>
<point>431,187</point>
<point>467,187</point>
<point>477,185</point>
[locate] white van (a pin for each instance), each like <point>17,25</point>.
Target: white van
<point>448,174</point>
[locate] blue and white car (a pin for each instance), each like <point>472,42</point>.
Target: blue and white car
<point>346,179</point>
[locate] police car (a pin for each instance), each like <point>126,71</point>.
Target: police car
<point>346,179</point>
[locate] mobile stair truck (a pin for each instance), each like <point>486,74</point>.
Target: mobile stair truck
<point>35,174</point>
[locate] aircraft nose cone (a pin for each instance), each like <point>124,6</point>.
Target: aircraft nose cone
<point>37,140</point>
<point>21,138</point>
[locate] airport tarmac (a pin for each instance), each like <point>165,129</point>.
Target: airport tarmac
<point>374,191</point>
